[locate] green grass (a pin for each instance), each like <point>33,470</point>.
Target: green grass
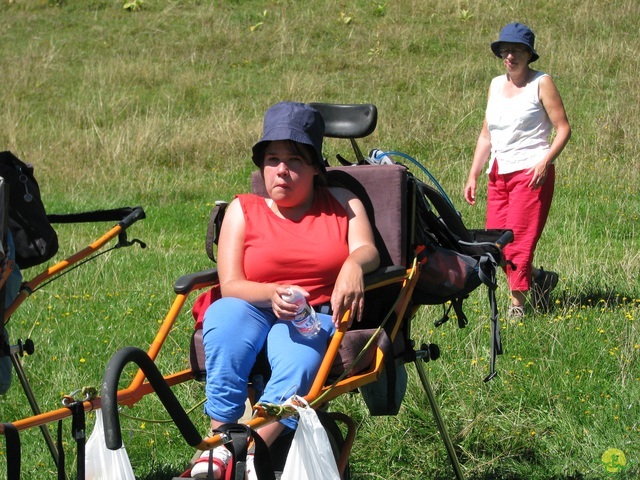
<point>159,107</point>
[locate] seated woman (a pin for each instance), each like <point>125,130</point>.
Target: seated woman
<point>305,236</point>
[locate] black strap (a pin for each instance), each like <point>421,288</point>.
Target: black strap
<point>262,459</point>
<point>78,431</point>
<point>213,230</point>
<point>14,453</point>
<point>6,266</point>
<point>210,466</point>
<point>238,445</point>
<point>496,341</point>
<point>343,161</point>
<point>487,266</point>
<point>114,215</point>
<point>456,303</point>
<point>62,475</point>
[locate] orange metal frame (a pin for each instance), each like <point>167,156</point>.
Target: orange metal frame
<point>30,286</point>
<point>320,390</point>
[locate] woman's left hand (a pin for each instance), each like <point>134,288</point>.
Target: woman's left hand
<point>348,293</point>
<point>538,175</point>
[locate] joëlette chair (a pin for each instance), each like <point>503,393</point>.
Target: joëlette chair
<point>370,358</point>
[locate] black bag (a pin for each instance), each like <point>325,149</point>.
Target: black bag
<point>35,239</point>
<point>447,274</point>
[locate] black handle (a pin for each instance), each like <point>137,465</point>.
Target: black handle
<point>112,431</point>
<point>133,217</point>
<point>505,238</point>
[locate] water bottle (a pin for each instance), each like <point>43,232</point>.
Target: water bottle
<point>306,320</point>
<point>378,157</point>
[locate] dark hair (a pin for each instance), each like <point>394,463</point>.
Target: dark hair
<point>305,151</point>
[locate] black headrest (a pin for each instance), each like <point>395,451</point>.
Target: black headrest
<point>348,120</point>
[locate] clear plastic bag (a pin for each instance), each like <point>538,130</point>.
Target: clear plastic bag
<point>310,456</point>
<point>102,463</point>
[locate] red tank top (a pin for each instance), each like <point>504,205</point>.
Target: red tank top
<point>308,253</point>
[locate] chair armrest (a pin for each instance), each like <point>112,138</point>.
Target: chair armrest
<point>384,275</point>
<point>192,281</point>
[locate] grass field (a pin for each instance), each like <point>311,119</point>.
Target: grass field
<point>159,105</point>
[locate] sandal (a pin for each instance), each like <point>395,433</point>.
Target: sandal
<point>515,311</point>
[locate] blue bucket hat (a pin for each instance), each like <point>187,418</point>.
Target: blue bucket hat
<point>294,121</point>
<point>516,33</point>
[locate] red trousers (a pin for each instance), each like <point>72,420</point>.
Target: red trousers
<point>511,204</point>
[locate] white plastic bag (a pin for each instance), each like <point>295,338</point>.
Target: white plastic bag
<point>310,456</point>
<point>102,463</point>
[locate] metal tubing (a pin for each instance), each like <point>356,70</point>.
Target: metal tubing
<point>35,408</point>
<point>438,418</point>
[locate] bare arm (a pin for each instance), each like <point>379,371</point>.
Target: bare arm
<point>348,292</point>
<point>233,282</point>
<point>552,103</point>
<point>480,158</point>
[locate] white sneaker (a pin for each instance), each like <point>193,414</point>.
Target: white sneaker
<point>220,458</point>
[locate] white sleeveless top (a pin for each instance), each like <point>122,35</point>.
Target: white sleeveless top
<point>519,126</point>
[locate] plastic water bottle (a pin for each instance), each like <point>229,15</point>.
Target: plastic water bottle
<point>378,157</point>
<point>306,320</point>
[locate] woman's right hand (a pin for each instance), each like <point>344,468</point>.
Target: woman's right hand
<point>470,191</point>
<point>480,158</point>
<point>281,308</point>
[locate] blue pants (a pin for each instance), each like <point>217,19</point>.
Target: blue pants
<point>234,332</point>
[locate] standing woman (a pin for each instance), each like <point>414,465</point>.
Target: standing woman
<point>523,108</point>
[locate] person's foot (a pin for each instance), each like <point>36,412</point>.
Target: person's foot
<point>541,288</point>
<point>515,311</point>
<point>220,457</point>
<point>251,469</point>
